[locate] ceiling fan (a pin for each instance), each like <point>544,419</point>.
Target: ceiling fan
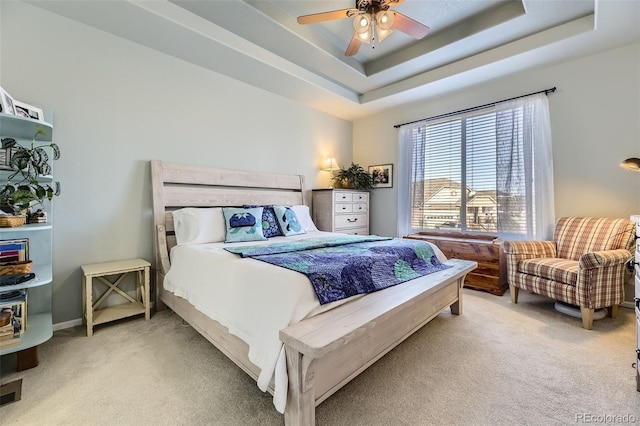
<point>370,14</point>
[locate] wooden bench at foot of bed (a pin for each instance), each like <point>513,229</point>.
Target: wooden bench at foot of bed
<point>326,351</point>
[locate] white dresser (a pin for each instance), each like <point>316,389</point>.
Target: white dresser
<point>636,218</point>
<point>345,211</point>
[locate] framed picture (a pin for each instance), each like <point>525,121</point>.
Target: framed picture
<point>28,111</point>
<point>6,103</point>
<point>382,175</point>
<point>5,158</point>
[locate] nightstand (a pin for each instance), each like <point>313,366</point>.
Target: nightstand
<point>139,305</point>
<point>345,211</point>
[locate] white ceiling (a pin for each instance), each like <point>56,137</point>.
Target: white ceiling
<point>261,43</point>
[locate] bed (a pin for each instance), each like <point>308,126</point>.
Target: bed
<point>324,347</point>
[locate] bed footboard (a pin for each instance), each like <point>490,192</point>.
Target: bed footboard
<point>326,351</point>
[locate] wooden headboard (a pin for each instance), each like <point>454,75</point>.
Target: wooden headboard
<point>176,186</point>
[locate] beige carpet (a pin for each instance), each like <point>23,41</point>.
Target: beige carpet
<point>498,364</point>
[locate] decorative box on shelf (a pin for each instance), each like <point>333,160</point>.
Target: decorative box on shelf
<point>39,216</point>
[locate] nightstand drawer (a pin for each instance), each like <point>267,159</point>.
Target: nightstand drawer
<point>344,208</point>
<point>350,221</point>
<point>356,231</point>
<point>359,207</point>
<point>343,196</point>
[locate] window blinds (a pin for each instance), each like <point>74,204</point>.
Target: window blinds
<point>474,171</point>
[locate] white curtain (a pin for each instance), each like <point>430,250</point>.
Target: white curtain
<point>524,167</point>
<point>406,173</point>
<point>524,155</point>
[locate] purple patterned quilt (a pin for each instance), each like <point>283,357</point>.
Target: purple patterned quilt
<point>348,265</point>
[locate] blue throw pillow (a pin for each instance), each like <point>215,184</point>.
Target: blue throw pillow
<point>270,226</point>
<point>289,223</point>
<point>243,224</point>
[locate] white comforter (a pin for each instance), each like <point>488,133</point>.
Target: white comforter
<point>253,299</point>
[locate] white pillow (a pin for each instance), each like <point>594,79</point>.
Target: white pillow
<point>304,218</point>
<point>199,225</point>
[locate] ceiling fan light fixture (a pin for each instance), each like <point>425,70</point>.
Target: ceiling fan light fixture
<point>382,34</point>
<point>364,37</point>
<point>362,23</point>
<point>384,20</point>
<point>631,164</point>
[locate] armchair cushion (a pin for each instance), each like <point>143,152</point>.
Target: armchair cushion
<point>559,270</point>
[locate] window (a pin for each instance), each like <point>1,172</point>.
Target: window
<point>486,170</point>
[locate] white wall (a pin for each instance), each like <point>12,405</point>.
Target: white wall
<point>118,105</point>
<point>595,119</point>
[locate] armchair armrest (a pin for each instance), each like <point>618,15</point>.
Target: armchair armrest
<point>602,259</point>
<point>530,249</point>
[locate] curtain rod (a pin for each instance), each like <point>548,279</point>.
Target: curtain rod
<point>546,92</point>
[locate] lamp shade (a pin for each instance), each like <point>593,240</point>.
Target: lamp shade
<point>331,165</point>
<point>384,19</point>
<point>632,164</point>
<point>362,25</point>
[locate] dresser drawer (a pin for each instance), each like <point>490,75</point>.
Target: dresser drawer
<point>356,231</point>
<point>637,281</point>
<point>350,221</point>
<point>359,207</point>
<point>361,197</point>
<point>344,208</point>
<point>343,196</point>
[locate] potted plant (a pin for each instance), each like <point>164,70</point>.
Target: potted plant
<point>354,177</point>
<point>23,189</point>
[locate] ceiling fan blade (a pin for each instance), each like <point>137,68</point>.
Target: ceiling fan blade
<point>409,26</point>
<point>326,16</point>
<point>393,2</point>
<point>354,46</point>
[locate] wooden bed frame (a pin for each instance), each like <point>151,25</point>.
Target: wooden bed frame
<point>323,352</point>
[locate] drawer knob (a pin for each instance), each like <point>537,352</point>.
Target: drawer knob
<point>352,220</point>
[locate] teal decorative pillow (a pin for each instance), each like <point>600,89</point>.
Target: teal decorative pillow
<point>289,223</point>
<point>243,224</point>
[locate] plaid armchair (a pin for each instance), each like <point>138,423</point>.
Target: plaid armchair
<point>584,265</point>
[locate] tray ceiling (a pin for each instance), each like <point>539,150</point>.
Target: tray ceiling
<point>261,43</point>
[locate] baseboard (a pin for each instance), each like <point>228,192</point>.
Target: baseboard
<point>627,304</point>
<point>67,324</point>
<point>76,322</point>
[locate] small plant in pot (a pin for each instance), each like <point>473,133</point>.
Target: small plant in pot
<point>22,189</point>
<point>354,177</point>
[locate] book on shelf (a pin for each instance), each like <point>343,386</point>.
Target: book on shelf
<point>13,308</point>
<point>14,250</point>
<point>10,325</point>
